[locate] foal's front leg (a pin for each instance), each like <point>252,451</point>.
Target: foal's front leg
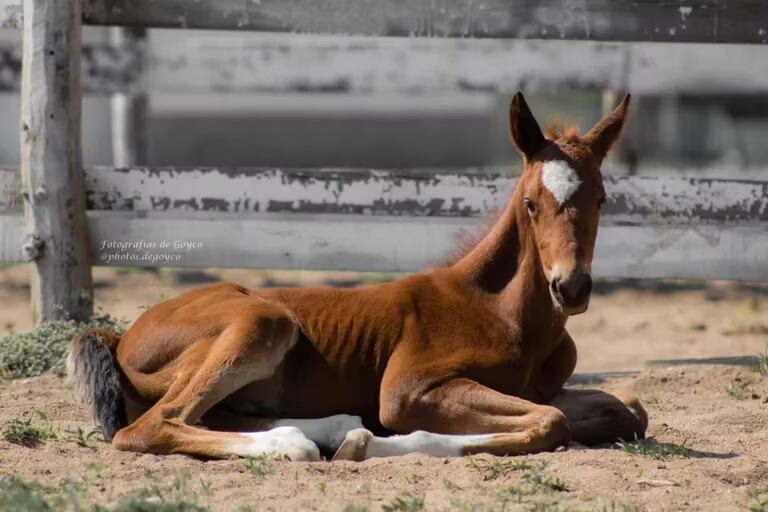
<point>599,417</point>
<point>458,417</point>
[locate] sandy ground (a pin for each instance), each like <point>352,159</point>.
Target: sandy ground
<point>719,412</point>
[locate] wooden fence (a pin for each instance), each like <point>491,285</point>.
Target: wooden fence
<point>65,220</point>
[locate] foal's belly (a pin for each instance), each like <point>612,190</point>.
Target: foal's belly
<point>306,386</point>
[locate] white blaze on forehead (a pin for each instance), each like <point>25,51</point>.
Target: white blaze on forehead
<point>562,181</point>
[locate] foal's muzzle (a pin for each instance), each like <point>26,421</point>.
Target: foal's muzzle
<point>572,292</point>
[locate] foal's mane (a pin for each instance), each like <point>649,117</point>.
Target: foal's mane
<point>556,130</point>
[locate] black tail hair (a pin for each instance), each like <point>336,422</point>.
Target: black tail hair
<point>93,368</point>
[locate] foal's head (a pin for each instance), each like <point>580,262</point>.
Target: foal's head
<point>561,191</point>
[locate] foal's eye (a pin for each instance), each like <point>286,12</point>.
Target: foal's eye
<point>530,205</point>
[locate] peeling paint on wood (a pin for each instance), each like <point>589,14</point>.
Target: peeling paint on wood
<point>472,193</point>
<point>632,200</point>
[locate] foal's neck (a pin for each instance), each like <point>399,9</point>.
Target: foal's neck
<point>506,263</point>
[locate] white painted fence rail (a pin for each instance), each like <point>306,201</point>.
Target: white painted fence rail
<point>378,220</point>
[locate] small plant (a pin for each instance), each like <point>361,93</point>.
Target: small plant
<point>761,365</point>
<point>615,506</point>
<point>407,503</point>
<point>543,483</point>
<point>151,505</point>
<point>83,438</point>
<point>534,483</point>
<point>69,496</point>
<point>543,506</point>
<point>18,494</point>
<point>158,497</point>
<point>741,390</point>
<point>493,469</point>
<point>758,500</point>
<point>354,507</point>
<point>44,349</point>
<point>95,468</point>
<point>23,432</point>
<point>259,466</point>
<point>654,450</point>
<point>465,506</point>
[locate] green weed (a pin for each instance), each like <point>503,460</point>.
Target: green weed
<point>493,469</point>
<point>654,450</point>
<point>23,432</point>
<point>406,503</point>
<point>45,349</point>
<point>259,466</point>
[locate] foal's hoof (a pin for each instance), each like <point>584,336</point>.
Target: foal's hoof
<point>355,445</point>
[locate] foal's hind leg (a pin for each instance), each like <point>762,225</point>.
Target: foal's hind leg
<point>598,417</point>
<point>328,433</point>
<point>247,350</point>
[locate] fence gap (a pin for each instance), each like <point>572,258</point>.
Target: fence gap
<point>129,108</point>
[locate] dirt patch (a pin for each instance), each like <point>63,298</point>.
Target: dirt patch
<point>709,423</point>
<point>714,449</point>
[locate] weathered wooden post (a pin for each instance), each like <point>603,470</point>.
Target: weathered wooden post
<point>51,161</point>
<point>129,108</point>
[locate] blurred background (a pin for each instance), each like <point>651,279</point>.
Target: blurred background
<point>248,99</point>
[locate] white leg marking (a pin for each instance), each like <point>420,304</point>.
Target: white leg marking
<point>326,432</point>
<point>562,181</point>
<point>437,445</point>
<point>279,442</point>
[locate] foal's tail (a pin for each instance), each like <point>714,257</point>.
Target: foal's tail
<point>93,369</point>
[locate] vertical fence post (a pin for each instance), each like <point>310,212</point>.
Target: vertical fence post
<point>129,108</point>
<point>51,161</point>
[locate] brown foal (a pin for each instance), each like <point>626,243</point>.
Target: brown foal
<point>463,359</point>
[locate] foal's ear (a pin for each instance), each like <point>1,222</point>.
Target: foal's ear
<point>523,127</point>
<point>606,132</point>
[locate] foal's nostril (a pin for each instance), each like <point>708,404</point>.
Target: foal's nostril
<point>576,289</point>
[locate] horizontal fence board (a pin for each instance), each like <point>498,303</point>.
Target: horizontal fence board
<point>732,21</point>
<point>349,219</point>
<point>466,192</point>
<point>367,243</point>
<point>713,21</point>
<point>105,68</point>
<point>297,63</point>
<point>476,192</point>
<point>277,63</point>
